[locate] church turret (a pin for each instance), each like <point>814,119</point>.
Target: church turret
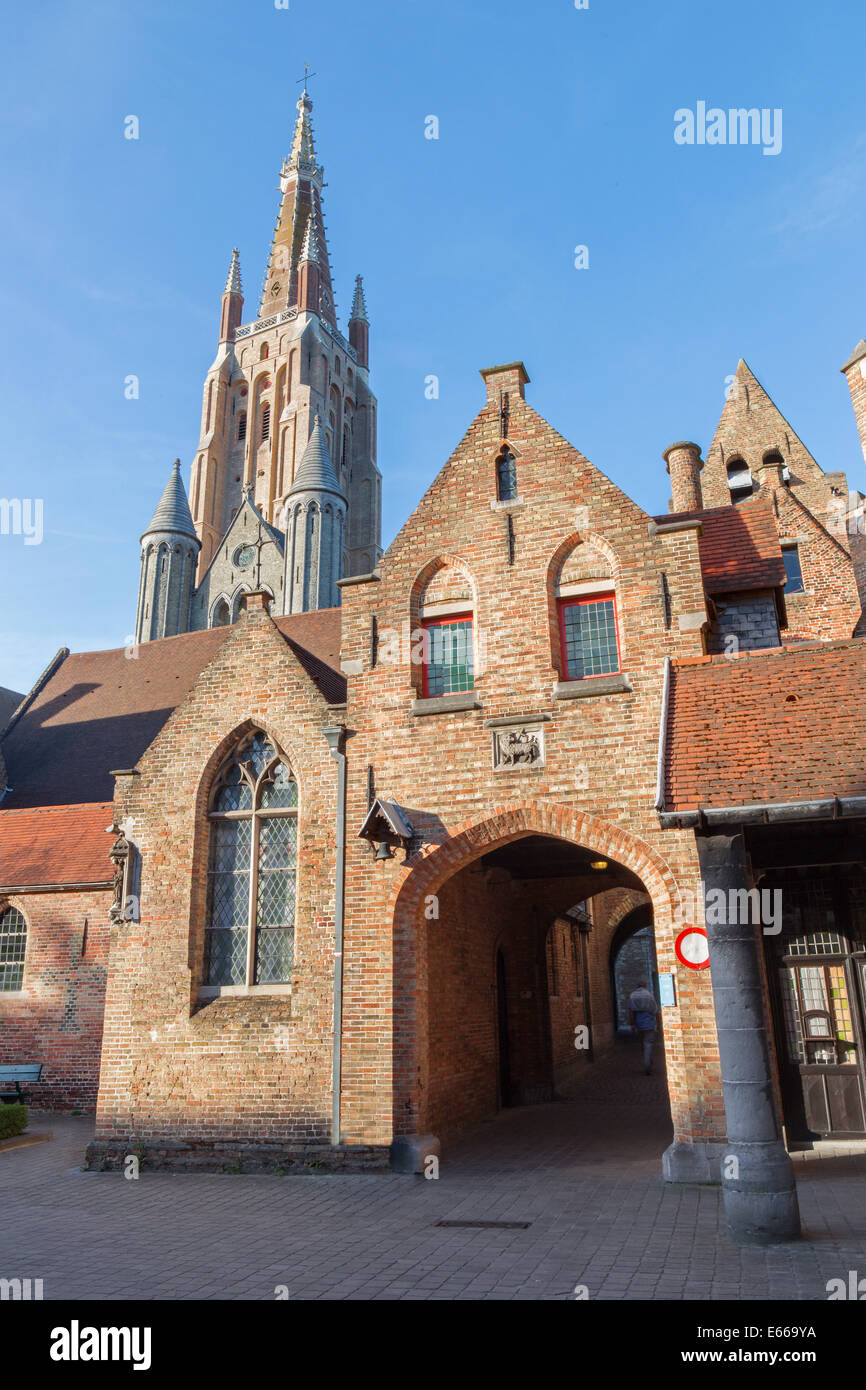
<point>315,519</point>
<point>169,552</point>
<point>232,301</point>
<point>359,325</point>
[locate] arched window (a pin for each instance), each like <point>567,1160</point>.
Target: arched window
<point>266,421</point>
<point>446,611</point>
<point>242,426</point>
<point>221,614</point>
<point>13,944</point>
<point>263,352</point>
<point>251,876</point>
<point>587,614</point>
<point>739,479</point>
<point>506,476</point>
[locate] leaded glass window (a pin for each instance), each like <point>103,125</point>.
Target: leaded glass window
<point>506,476</point>
<point>13,944</point>
<point>251,873</point>
<point>448,665</point>
<point>589,637</point>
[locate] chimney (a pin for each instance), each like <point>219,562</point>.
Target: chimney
<point>512,376</point>
<point>855,371</point>
<point>684,463</point>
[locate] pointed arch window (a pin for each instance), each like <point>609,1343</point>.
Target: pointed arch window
<point>221,614</point>
<point>506,476</point>
<point>13,947</point>
<point>242,426</point>
<point>266,421</point>
<point>253,816</point>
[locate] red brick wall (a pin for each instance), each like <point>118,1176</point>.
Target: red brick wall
<point>232,1069</point>
<point>56,1017</point>
<point>597,785</point>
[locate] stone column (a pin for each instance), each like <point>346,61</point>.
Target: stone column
<point>758,1185</point>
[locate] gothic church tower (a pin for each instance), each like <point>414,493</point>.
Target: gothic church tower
<point>262,463</point>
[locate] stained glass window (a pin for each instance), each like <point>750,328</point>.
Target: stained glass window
<point>589,638</point>
<point>13,943</point>
<point>448,665</point>
<point>251,877</point>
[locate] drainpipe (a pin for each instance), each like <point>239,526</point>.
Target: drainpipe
<point>335,738</point>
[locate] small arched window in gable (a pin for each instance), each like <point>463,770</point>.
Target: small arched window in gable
<point>506,475</point>
<point>263,352</point>
<point>253,817</point>
<point>739,480</point>
<point>13,946</point>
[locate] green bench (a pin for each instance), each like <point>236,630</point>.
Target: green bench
<point>29,1073</point>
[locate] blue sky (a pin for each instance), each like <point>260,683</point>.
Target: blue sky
<point>555,130</point>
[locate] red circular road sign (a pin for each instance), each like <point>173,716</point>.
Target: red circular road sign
<point>692,948</point>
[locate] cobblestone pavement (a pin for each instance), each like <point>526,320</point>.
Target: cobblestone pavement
<point>583,1173</point>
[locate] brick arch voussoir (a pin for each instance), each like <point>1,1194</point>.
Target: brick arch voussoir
<point>469,839</point>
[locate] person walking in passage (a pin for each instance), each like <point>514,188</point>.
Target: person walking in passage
<point>642,1010</point>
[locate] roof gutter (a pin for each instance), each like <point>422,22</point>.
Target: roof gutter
<point>56,887</point>
<point>769,813</point>
<point>663,738</point>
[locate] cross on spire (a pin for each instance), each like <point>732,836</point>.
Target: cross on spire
<point>306,76</point>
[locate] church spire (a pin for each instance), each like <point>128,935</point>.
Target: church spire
<point>299,233</point>
<point>233,279</point>
<point>359,325</point>
<point>232,307</point>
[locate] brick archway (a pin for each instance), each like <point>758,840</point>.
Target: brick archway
<point>425,873</point>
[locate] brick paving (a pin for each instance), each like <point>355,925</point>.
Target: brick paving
<point>583,1172</point>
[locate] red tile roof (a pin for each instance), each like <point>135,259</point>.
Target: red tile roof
<point>775,726</point>
<point>739,548</point>
<point>101,710</point>
<point>55,845</point>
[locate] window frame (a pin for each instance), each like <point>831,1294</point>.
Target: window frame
<point>795,547</point>
<point>445,620</point>
<point>506,461</point>
<point>19,987</point>
<point>576,600</point>
<point>255,814</point>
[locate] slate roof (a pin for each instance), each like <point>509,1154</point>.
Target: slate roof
<point>56,845</point>
<point>772,726</point>
<point>315,470</point>
<point>9,702</point>
<point>101,710</point>
<point>739,548</point>
<point>172,512</point>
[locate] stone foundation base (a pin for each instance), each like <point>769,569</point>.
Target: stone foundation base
<point>694,1162</point>
<point>178,1156</point>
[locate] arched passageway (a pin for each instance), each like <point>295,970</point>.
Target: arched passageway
<point>632,959</point>
<point>504,989</point>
